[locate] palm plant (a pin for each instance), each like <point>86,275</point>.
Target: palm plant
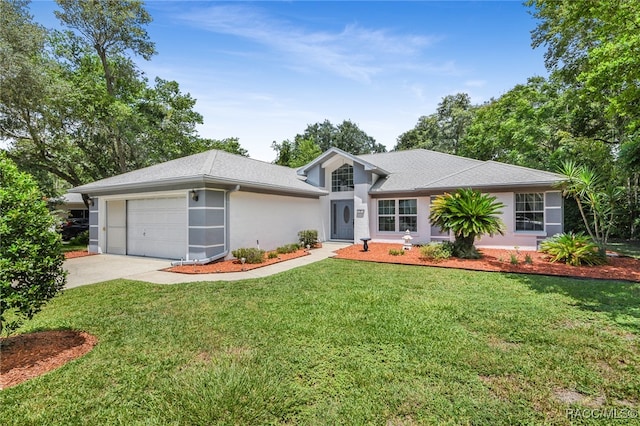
<point>596,200</point>
<point>573,249</point>
<point>468,214</point>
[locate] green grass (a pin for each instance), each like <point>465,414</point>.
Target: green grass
<point>339,342</point>
<point>627,248</point>
<point>67,247</point>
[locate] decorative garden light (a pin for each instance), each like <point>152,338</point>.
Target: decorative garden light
<point>407,240</point>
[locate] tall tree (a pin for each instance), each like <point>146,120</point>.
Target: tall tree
<point>34,97</point>
<point>65,115</point>
<point>594,45</point>
<point>111,28</point>
<point>296,154</point>
<point>319,137</point>
<point>444,130</point>
<point>346,136</point>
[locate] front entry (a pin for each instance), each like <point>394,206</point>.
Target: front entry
<point>342,220</point>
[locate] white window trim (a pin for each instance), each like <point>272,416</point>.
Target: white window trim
<point>335,171</point>
<point>515,215</point>
<point>396,215</point>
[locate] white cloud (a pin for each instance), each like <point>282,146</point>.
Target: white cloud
<point>355,52</point>
<point>475,83</point>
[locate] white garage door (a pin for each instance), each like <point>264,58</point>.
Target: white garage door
<point>157,227</point>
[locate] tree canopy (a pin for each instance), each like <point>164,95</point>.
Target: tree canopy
<point>319,137</point>
<point>74,106</point>
<point>443,131</point>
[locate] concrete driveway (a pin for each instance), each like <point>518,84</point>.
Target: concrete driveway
<point>105,267</point>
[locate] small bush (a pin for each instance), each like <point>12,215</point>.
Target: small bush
<point>272,255</point>
<point>394,252</point>
<point>308,237</point>
<point>513,258</point>
<point>573,249</point>
<point>528,259</point>
<point>437,251</point>
<point>289,248</point>
<point>82,239</point>
<point>251,255</point>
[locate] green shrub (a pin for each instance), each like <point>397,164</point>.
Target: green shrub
<point>513,258</point>
<point>251,255</point>
<point>31,256</point>
<point>468,214</point>
<point>573,249</point>
<point>82,239</point>
<point>308,237</point>
<point>288,248</point>
<point>528,259</point>
<point>437,251</point>
<point>394,252</point>
<point>272,255</point>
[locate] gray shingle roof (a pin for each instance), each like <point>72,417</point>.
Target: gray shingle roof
<point>421,169</point>
<point>211,166</point>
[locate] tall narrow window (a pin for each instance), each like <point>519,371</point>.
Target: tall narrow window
<point>387,215</point>
<point>342,179</point>
<point>408,215</point>
<point>530,212</point>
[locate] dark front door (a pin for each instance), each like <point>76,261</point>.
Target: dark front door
<point>342,220</point>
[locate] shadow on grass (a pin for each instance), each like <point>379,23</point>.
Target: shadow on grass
<point>618,300</point>
<point>627,248</point>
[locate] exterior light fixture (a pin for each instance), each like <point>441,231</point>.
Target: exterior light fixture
<point>194,195</point>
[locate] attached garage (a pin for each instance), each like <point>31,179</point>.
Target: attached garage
<point>157,227</point>
<point>181,209</point>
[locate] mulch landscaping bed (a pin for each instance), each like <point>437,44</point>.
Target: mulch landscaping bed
<point>617,268</point>
<point>234,265</point>
<point>26,356</point>
<point>77,253</point>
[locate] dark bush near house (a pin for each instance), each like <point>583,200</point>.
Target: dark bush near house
<point>437,251</point>
<point>289,248</point>
<point>272,255</point>
<point>251,255</point>
<point>395,252</point>
<point>308,237</point>
<point>30,249</point>
<point>573,249</point>
<point>81,239</point>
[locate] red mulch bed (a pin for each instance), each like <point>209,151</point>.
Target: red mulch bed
<point>77,253</point>
<point>617,268</point>
<point>234,265</point>
<point>26,356</point>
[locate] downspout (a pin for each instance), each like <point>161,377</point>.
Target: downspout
<point>226,237</point>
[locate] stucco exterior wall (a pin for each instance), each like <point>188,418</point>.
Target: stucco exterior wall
<point>525,240</point>
<point>273,220</point>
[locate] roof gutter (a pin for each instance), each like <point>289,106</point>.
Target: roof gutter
<point>194,180</point>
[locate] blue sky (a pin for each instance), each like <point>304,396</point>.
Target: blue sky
<point>262,71</point>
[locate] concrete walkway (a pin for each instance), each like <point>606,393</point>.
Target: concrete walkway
<point>105,267</point>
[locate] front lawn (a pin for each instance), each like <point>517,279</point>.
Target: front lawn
<point>342,342</point>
